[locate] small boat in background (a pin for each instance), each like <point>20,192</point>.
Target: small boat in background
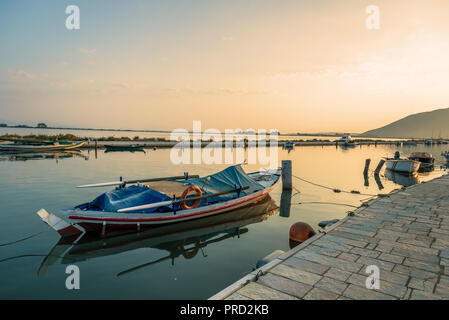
<point>346,141</point>
<point>426,159</point>
<point>402,165</point>
<point>131,147</point>
<point>289,144</point>
<point>409,143</point>
<point>445,154</point>
<point>43,147</point>
<point>57,155</point>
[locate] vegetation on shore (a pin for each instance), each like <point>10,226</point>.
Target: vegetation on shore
<point>71,137</point>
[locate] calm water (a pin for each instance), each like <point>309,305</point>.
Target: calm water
<point>153,265</point>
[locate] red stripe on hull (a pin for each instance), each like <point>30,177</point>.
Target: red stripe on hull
<point>180,217</point>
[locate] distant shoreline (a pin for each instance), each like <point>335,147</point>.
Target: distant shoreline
<point>336,134</point>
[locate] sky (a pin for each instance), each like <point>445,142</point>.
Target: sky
<point>295,66</point>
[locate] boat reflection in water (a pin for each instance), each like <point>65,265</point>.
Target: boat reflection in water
<point>182,239</point>
<point>405,180</point>
<point>9,156</point>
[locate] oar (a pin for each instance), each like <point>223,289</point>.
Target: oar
<point>114,183</point>
<point>170,202</point>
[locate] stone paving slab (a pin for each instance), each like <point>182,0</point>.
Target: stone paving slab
<point>405,235</point>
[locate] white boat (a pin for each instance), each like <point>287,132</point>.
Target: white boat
<point>144,206</point>
<point>402,165</point>
<point>345,139</point>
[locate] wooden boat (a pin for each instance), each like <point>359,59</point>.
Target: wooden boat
<point>402,165</point>
<point>56,146</point>
<point>25,156</point>
<point>426,159</point>
<point>131,147</point>
<point>163,202</point>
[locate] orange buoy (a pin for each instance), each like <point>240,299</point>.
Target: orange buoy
<point>301,231</point>
<point>197,202</point>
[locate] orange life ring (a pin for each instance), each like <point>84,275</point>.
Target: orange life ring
<point>197,202</point>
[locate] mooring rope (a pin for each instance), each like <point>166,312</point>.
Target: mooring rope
<point>34,255</point>
<point>30,236</point>
<point>335,189</point>
<point>26,238</point>
<point>333,203</point>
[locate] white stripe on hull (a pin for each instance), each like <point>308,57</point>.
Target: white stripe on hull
<point>408,166</point>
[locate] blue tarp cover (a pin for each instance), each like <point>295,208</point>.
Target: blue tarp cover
<point>231,178</point>
<point>131,196</point>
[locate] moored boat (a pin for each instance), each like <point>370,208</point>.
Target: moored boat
<point>131,147</point>
<point>346,141</point>
<point>164,202</point>
<point>180,240</point>
<point>56,146</point>
<point>402,165</point>
<point>289,144</point>
<point>426,159</point>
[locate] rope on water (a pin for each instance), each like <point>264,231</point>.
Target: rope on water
<point>335,189</point>
<point>34,255</point>
<point>20,240</point>
<point>28,237</point>
<point>332,203</point>
<point>297,192</point>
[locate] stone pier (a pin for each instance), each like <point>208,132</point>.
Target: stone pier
<point>405,235</point>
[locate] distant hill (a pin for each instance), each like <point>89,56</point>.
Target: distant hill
<point>432,124</point>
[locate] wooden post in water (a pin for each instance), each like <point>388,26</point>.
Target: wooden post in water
<point>286,203</point>
<point>96,145</point>
<point>286,174</point>
<point>379,166</point>
<point>367,163</point>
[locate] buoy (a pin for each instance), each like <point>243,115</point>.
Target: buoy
<point>301,231</point>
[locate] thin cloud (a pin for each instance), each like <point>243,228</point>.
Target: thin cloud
<point>15,74</point>
<point>88,51</point>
